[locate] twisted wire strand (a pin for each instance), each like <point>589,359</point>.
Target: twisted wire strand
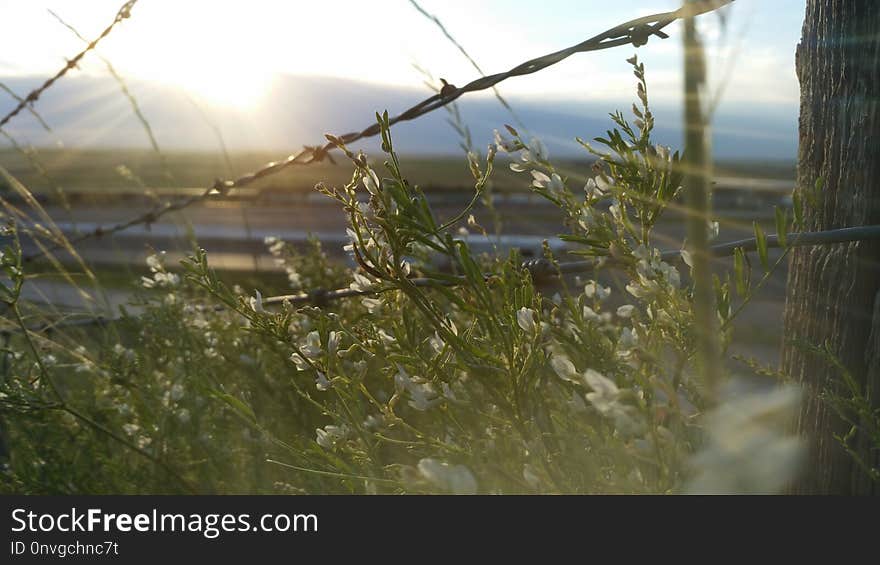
<point>123,13</point>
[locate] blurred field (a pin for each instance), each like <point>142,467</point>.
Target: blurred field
<point>99,170</point>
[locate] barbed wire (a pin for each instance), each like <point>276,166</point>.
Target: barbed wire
<point>123,13</point>
<point>539,269</point>
<point>635,32</point>
<point>544,268</point>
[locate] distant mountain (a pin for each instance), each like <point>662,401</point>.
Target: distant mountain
<point>91,112</point>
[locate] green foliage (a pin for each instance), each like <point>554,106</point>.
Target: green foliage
<point>453,372</point>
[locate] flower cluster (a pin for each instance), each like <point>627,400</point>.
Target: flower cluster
<point>160,277</point>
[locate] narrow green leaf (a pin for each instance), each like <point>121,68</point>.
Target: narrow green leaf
<point>739,271</point>
<point>781,225</point>
<point>761,240</point>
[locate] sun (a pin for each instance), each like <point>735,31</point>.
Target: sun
<point>217,53</point>
<point>229,87</point>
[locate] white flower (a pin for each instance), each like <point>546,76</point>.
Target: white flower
<point>587,219</point>
<point>275,245</point>
<point>374,422</point>
<point>331,435</point>
<point>293,277</point>
<point>373,305</point>
<point>671,274</point>
<point>525,318</point>
<point>332,343</point>
<point>592,190</point>
<point>552,184</point>
<point>637,290</point>
<point>361,283</point>
<point>626,311</point>
<point>300,363</point>
<point>604,184</point>
<point>456,479</point>
<point>687,258</point>
<point>628,339</point>
<point>564,368</point>
<point>503,143</point>
<point>748,449</point>
<point>130,429</point>
<point>321,382</point>
<point>593,289</point>
<point>312,348</point>
<point>422,396</point>
<point>605,392</point>
<point>257,302</point>
<point>167,279</point>
<point>154,261</point>
<point>386,339</point>
<point>537,149</point>
<point>662,152</point>
<point>176,392</point>
<point>536,154</point>
<point>605,399</point>
<point>371,182</point>
<point>615,210</point>
<point>590,315</point>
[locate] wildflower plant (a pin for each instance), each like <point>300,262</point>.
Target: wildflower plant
<point>450,371</point>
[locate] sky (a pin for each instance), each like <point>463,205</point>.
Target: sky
<point>229,54</point>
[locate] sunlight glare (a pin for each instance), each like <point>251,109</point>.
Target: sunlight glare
<point>240,87</point>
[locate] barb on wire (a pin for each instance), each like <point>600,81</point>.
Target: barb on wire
<point>501,100</point>
<point>30,108</point>
<point>123,13</point>
<point>538,268</point>
<point>635,32</point>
